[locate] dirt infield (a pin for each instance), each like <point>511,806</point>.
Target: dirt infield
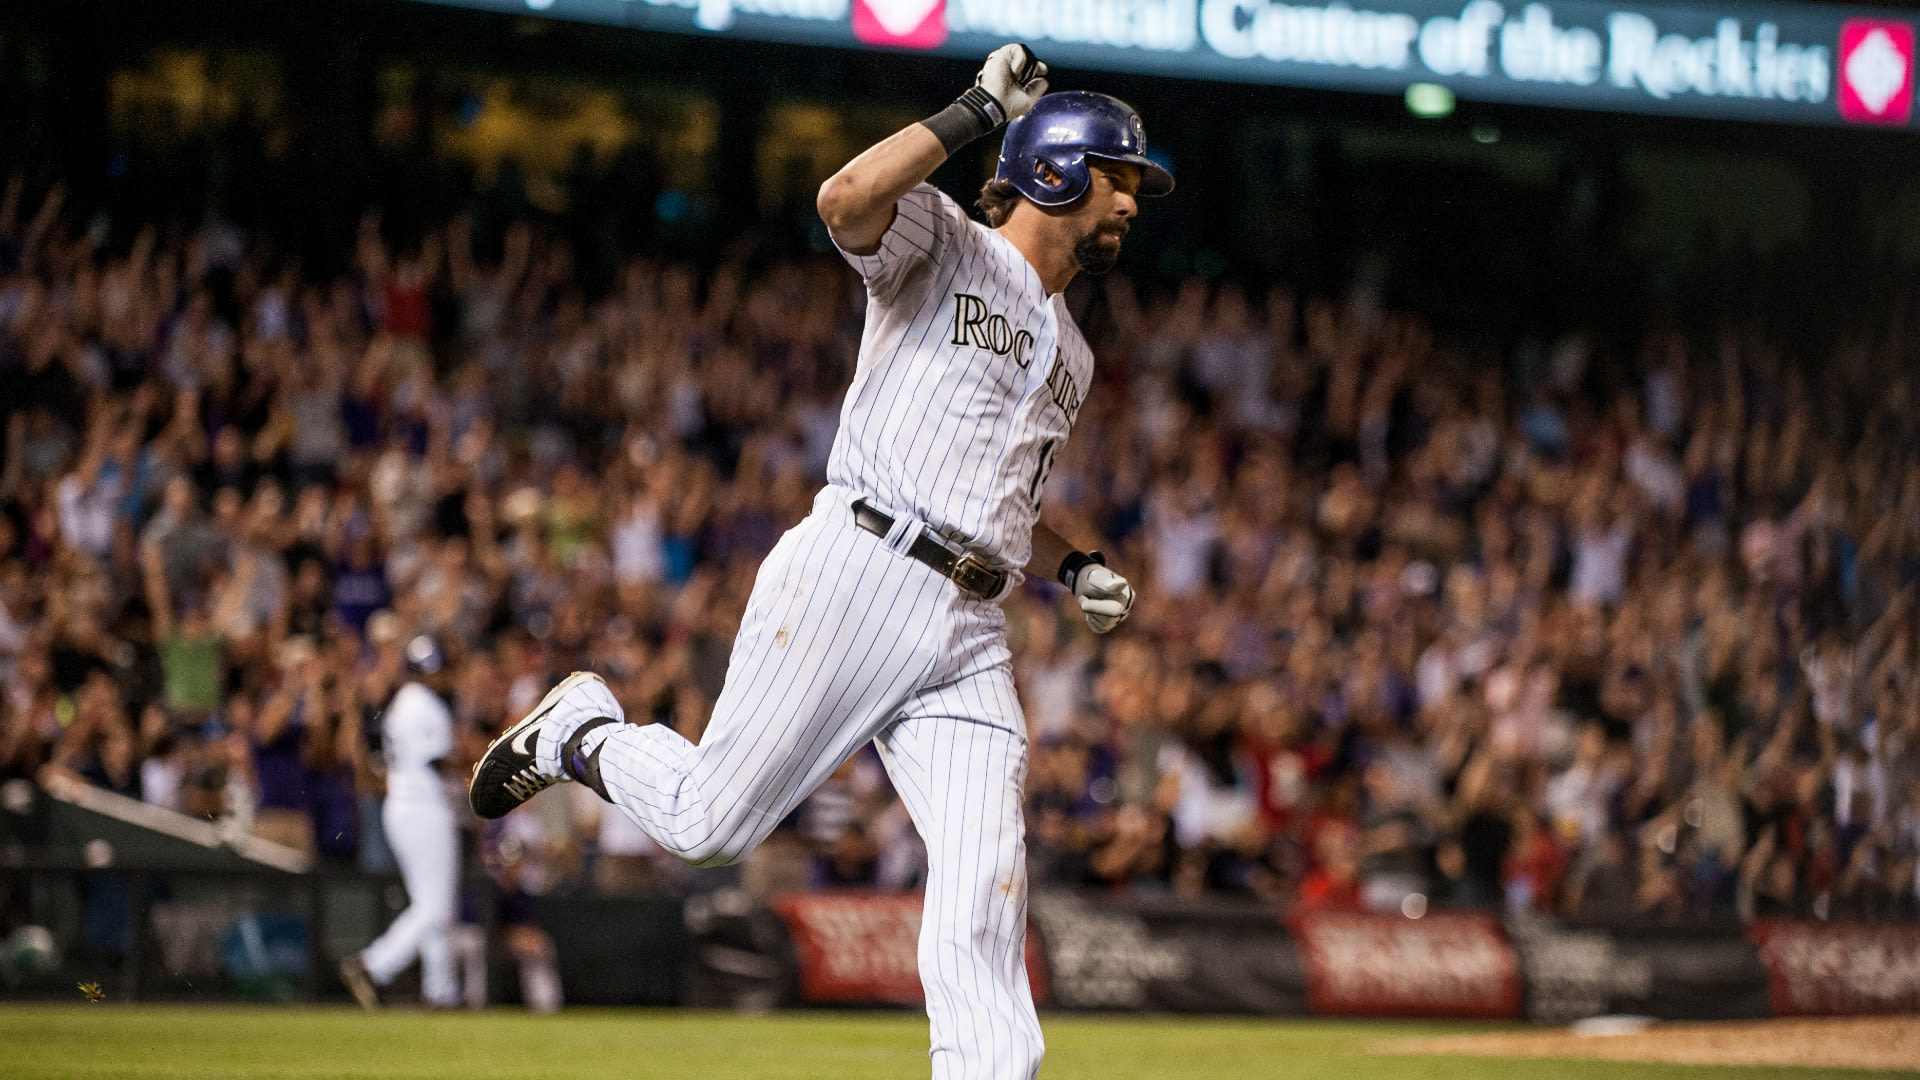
<point>1884,1042</point>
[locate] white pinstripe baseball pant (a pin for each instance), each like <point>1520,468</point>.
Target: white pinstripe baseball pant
<point>845,641</point>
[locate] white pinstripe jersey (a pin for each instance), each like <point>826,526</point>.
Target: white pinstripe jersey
<point>969,379</point>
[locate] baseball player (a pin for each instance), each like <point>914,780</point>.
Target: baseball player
<point>878,617</point>
<point>416,732</point>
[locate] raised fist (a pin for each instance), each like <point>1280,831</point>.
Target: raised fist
<point>1015,78</point>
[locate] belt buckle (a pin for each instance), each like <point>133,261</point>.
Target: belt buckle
<point>975,576</point>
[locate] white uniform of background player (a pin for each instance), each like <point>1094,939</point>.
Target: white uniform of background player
<point>416,735</point>
<point>969,377</point>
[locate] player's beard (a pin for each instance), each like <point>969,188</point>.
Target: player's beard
<point>1097,251</point>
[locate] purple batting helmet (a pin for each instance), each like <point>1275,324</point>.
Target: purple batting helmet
<point>1064,130</point>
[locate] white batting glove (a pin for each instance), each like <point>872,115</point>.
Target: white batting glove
<point>1105,597</point>
<point>1015,77</point>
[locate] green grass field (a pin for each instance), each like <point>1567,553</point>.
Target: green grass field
<point>109,1042</point>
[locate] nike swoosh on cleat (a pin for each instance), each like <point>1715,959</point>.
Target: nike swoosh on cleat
<point>518,744</point>
<point>517,739</point>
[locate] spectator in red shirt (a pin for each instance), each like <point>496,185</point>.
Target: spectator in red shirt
<point>1334,882</point>
<point>1534,865</point>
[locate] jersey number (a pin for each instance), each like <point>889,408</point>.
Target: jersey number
<point>1047,451</point>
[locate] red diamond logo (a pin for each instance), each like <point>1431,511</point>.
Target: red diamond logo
<point>1876,71</point>
<point>907,24</point>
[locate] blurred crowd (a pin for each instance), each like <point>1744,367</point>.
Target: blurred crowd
<point>1603,629</point>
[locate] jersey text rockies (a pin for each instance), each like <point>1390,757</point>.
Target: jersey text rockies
<point>969,381</point>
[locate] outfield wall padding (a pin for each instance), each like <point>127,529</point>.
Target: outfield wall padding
<point>616,950</point>
<point>1109,953</point>
<point>152,931</point>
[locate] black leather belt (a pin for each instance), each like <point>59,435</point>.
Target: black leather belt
<point>966,570</point>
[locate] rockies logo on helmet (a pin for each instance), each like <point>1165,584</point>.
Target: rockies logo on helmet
<point>1060,133</point>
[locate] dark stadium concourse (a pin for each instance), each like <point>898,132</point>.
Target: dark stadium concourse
<point>1524,505</point>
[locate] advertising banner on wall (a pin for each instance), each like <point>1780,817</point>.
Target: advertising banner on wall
<point>1082,953</point>
<point>855,947</point>
<point>1827,969</point>
<point>1450,965</point>
<point>1782,63</point>
<point>1087,951</point>
<point>1172,956</point>
<point>863,948</point>
<point>1676,973</point>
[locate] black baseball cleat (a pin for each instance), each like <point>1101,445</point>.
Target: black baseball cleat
<point>509,773</point>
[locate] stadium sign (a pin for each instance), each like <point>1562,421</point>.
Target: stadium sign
<point>1780,63</point>
<point>1829,969</point>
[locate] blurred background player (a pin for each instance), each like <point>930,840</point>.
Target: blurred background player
<point>416,737</point>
